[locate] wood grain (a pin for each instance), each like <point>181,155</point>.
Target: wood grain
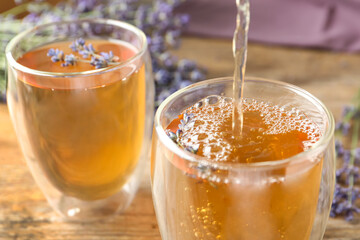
<point>25,214</point>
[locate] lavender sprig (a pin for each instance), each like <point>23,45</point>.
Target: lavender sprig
<point>341,204</point>
<point>185,123</point>
<point>98,60</point>
<point>346,193</point>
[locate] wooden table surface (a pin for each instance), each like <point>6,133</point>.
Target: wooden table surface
<point>25,214</point>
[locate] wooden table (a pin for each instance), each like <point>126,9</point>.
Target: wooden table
<point>25,215</point>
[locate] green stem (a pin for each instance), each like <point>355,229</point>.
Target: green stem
<point>354,143</point>
<point>16,10</point>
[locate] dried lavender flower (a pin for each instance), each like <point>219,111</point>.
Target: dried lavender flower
<point>69,60</point>
<point>98,60</point>
<point>185,123</point>
<point>56,55</point>
<point>346,192</point>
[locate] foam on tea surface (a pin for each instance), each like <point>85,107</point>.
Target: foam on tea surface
<point>269,131</point>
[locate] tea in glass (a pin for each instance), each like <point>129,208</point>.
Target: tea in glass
<point>274,181</point>
<point>83,129</point>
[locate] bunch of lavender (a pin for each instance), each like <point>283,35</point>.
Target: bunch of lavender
<point>162,26</point>
<point>347,176</point>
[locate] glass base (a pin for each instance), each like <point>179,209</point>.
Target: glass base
<point>75,209</point>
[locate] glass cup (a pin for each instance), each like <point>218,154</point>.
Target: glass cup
<point>283,199</point>
<point>85,135</point>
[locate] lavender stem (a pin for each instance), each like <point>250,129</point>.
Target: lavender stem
<point>16,10</point>
<point>354,143</point>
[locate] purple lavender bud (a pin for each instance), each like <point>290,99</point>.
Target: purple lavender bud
<point>357,114</point>
<point>157,44</point>
<point>354,195</point>
<point>105,55</point>
<point>178,78</point>
<point>185,65</point>
<point>53,17</point>
<point>73,46</point>
<point>84,6</point>
<point>351,171</point>
<point>357,154</point>
<point>182,123</point>
<point>84,53</point>
<point>167,60</point>
<point>346,156</point>
<point>140,15</point>
<point>347,110</point>
<point>149,40</point>
<point>172,90</point>
<point>178,133</point>
<point>349,216</point>
<point>339,148</point>
<point>350,211</point>
<point>80,42</point>
<point>162,96</point>
<point>340,193</point>
<point>191,149</point>
<point>339,172</point>
<point>111,54</point>
<point>162,77</point>
<point>163,7</point>
<point>171,135</point>
<point>338,126</point>
<point>152,18</point>
<point>55,54</point>
<point>184,83</point>
<point>108,57</point>
<point>184,19</point>
<point>346,128</point>
<point>172,38</point>
<point>51,52</point>
<point>98,63</point>
<point>196,75</point>
<point>341,207</point>
<point>70,59</point>
<point>31,18</point>
<point>91,48</point>
<point>332,211</point>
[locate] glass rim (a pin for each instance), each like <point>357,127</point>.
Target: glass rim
<point>111,22</point>
<point>298,158</point>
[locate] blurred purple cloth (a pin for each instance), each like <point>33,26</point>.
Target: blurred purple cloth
<point>332,24</point>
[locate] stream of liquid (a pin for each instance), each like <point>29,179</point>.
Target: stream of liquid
<point>240,52</point>
<point>251,202</point>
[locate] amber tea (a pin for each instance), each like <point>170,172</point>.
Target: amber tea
<point>258,211</point>
<point>273,181</point>
<point>86,139</point>
<point>80,95</point>
<point>228,166</point>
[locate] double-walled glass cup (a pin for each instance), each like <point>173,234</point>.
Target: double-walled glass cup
<point>85,135</point>
<point>289,199</point>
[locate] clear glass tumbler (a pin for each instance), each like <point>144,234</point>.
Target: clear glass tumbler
<point>84,133</point>
<point>197,199</point>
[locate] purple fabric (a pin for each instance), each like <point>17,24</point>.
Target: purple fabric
<point>333,24</point>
